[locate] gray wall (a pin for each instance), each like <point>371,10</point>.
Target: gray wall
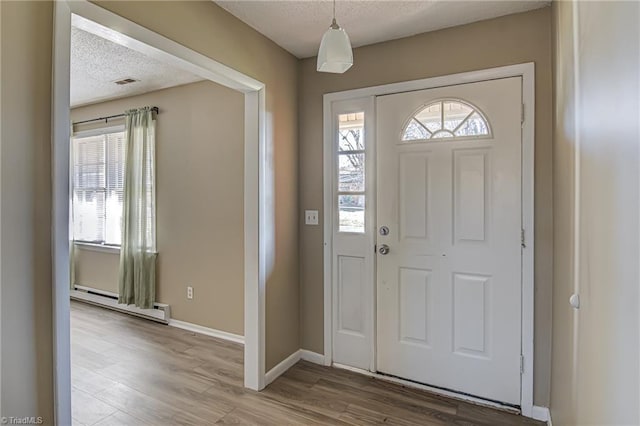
<point>595,374</point>
<point>25,213</point>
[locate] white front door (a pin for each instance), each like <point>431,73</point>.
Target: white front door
<point>449,211</point>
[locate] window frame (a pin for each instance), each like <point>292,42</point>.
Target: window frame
<point>442,101</point>
<point>99,131</point>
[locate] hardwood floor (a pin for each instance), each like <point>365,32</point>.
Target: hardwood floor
<point>130,371</point>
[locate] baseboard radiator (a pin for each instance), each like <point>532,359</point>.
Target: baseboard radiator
<point>161,312</point>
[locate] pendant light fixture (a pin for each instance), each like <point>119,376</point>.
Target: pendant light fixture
<point>335,54</point>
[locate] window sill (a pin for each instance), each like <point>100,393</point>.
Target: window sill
<point>97,247</point>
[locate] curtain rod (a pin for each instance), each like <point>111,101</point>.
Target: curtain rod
<point>109,117</point>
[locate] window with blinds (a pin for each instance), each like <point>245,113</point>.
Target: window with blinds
<point>98,185</point>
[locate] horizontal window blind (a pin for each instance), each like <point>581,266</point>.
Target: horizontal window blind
<point>98,184</point>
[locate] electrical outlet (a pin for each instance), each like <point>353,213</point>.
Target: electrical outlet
<point>311,217</point>
<point>189,292</point>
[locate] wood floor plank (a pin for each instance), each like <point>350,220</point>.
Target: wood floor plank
<point>393,397</point>
<point>357,415</point>
<point>221,371</point>
<point>326,403</point>
<point>87,409</point>
<point>473,412</point>
<point>88,381</point>
<point>302,376</point>
<point>266,411</point>
<point>232,355</point>
<point>120,418</point>
<point>390,407</point>
<point>131,371</point>
<point>182,390</point>
<point>88,358</point>
<point>149,409</point>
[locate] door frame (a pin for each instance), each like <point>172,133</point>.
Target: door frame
<point>527,72</point>
<point>258,167</point>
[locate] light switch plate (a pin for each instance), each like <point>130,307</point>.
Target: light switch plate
<point>311,217</point>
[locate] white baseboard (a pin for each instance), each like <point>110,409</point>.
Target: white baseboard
<point>541,413</point>
<point>290,361</point>
<point>207,331</point>
<point>283,366</point>
<point>313,357</point>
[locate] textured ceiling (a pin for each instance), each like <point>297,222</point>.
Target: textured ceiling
<point>97,63</point>
<point>298,25</point>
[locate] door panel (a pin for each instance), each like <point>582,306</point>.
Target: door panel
<point>351,276</point>
<point>471,314</point>
<point>449,190</point>
<point>415,305</point>
<point>414,222</point>
<point>470,191</point>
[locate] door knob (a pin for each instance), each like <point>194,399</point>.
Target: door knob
<point>384,249</point>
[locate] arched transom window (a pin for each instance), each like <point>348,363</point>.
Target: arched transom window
<point>446,119</point>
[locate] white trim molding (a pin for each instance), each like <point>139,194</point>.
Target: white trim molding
<point>313,357</point>
<point>527,72</point>
<point>255,239</point>
<point>290,361</point>
<point>60,235</point>
<point>100,248</point>
<point>212,332</point>
<point>541,413</point>
<point>92,18</point>
<point>328,161</point>
<point>282,367</point>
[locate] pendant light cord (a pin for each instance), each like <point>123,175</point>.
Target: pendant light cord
<point>334,24</point>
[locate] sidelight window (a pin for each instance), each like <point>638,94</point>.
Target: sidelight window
<point>351,172</point>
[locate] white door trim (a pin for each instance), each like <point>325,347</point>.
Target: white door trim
<point>527,72</point>
<point>257,169</point>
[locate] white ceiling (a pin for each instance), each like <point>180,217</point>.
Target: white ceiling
<point>298,25</point>
<point>97,63</point>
